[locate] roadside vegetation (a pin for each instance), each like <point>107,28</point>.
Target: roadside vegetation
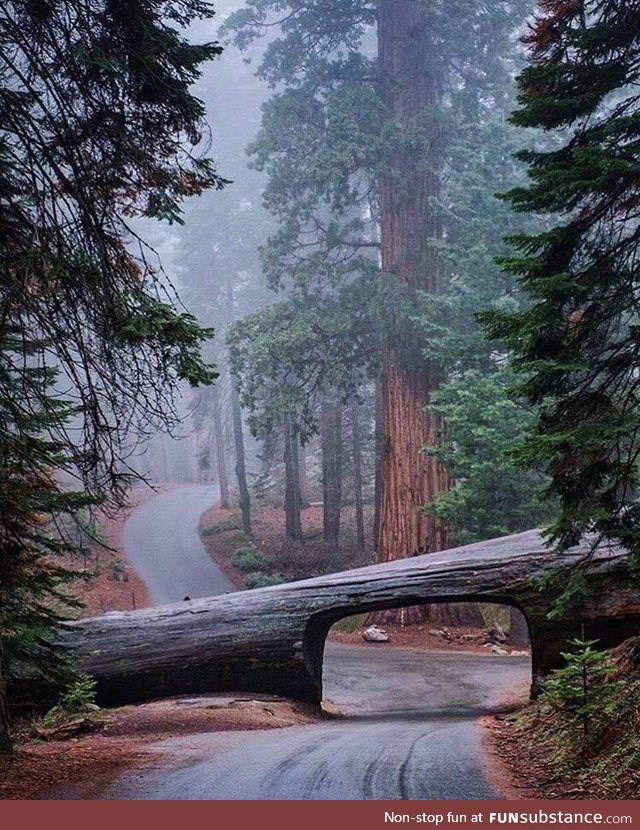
<point>267,557</point>
<point>581,740</point>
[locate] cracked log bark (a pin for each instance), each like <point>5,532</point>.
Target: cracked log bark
<point>272,640</point>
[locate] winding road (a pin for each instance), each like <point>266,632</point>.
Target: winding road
<point>409,726</point>
<point>414,737</point>
<point>162,543</point>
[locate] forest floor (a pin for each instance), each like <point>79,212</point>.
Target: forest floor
<point>48,759</point>
<point>267,557</point>
<point>447,638</point>
<point>538,753</point>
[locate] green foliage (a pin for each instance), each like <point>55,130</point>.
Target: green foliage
<point>325,143</point>
<point>99,126</point>
<point>285,353</point>
<point>80,696</point>
<point>577,342</point>
<point>77,699</point>
<point>570,588</point>
<point>34,589</point>
<point>222,526</point>
<point>259,579</point>
<point>490,495</point>
<point>251,559</point>
<point>583,694</point>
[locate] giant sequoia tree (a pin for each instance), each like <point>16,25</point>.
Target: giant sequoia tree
<point>355,142</point>
<point>98,126</point>
<point>578,342</point>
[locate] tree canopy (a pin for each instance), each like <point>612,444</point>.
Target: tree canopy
<point>577,342</point>
<point>99,127</point>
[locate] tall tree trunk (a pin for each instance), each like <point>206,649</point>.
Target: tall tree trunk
<point>292,501</point>
<point>241,470</point>
<point>357,473</point>
<point>5,734</point>
<point>410,231</point>
<point>302,467</point>
<point>331,468</point>
<point>379,449</point>
<point>218,434</point>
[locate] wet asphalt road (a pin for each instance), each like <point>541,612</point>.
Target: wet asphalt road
<point>162,543</point>
<point>408,729</point>
<point>409,732</point>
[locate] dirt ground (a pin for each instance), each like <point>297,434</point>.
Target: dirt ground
<point>419,636</point>
<point>124,737</point>
<point>268,526</point>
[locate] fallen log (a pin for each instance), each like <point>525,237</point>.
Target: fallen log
<point>272,639</point>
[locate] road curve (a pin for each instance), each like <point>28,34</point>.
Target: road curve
<point>415,736</point>
<point>162,543</point>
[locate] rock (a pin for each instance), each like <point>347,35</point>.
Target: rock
<point>499,633</point>
<point>519,654</point>
<point>375,634</point>
<point>500,651</point>
<point>437,632</point>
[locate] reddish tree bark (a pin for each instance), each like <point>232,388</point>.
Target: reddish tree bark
<point>409,233</point>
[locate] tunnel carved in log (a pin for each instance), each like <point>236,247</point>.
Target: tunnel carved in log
<point>271,640</point>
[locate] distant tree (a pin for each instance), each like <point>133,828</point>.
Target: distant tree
<point>577,342</point>
<point>98,127</point>
<point>288,358</point>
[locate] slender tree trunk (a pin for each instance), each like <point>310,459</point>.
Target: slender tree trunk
<point>357,473</point>
<point>379,448</point>
<point>5,733</point>
<point>331,469</point>
<point>218,432</point>
<point>410,231</point>
<point>241,470</point>
<point>292,484</point>
<point>302,466</point>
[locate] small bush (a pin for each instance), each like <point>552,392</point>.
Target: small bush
<point>251,559</point>
<point>583,695</point>
<point>79,698</point>
<point>230,523</point>
<point>259,579</point>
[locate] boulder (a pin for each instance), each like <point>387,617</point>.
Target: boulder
<point>375,634</point>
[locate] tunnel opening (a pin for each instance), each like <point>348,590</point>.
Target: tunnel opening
<point>371,665</point>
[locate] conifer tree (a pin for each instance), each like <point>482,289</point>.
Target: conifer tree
<point>99,126</point>
<point>577,342</point>
<point>32,589</point>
